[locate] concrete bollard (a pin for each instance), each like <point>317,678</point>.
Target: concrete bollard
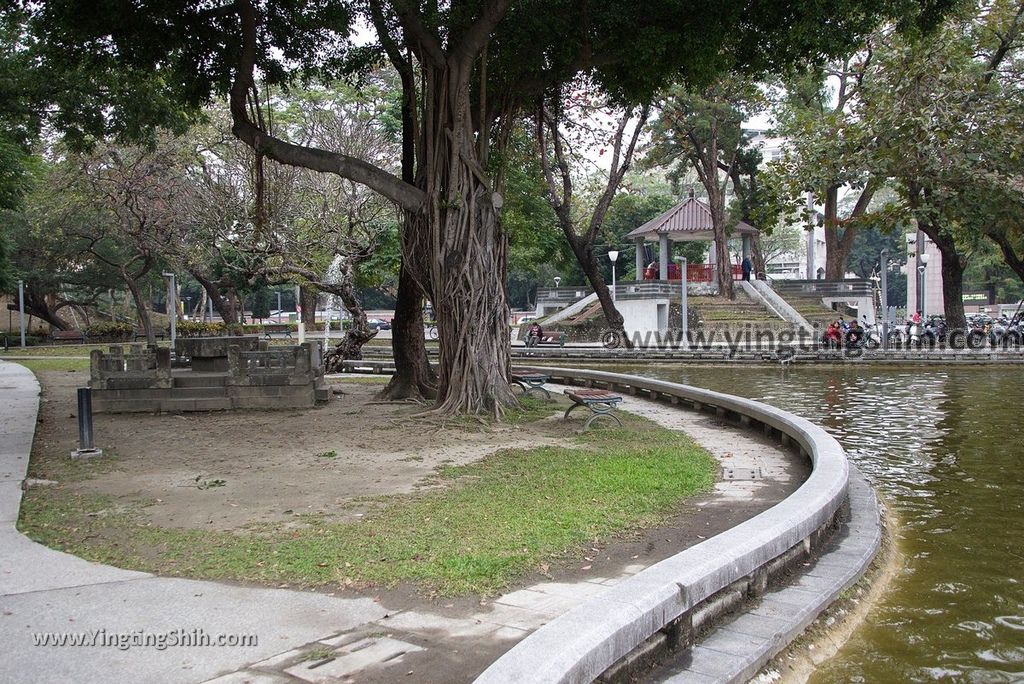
<point>85,447</point>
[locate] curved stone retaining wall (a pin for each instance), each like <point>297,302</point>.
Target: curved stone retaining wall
<point>679,593</point>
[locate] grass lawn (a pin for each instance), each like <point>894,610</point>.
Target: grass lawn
<point>488,523</point>
<point>39,365</point>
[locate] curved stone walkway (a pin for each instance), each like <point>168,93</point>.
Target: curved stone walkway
<point>302,636</point>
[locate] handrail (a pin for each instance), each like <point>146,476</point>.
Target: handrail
<point>581,644</point>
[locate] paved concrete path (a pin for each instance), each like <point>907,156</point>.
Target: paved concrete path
<point>301,636</point>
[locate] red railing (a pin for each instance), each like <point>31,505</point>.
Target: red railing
<point>695,273</point>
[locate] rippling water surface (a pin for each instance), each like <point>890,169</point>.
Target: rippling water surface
<point>946,448</point>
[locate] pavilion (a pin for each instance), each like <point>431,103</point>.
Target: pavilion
<point>688,221</point>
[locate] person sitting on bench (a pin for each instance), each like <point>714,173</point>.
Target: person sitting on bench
<point>534,335</point>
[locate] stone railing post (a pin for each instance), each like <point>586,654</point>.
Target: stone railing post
<point>96,375</point>
<point>238,373</point>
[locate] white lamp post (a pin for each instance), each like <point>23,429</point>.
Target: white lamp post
<point>682,299</point>
<point>613,256</point>
<point>21,311</point>
<point>172,305</point>
<point>558,281</point>
<point>924,269</point>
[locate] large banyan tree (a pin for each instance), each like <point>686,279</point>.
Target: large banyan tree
<point>468,69</point>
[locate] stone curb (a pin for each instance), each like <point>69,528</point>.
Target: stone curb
<point>736,651</point>
<point>582,644</point>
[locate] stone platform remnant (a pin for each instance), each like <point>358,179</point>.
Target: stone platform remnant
<point>221,373</point>
<point>210,354</point>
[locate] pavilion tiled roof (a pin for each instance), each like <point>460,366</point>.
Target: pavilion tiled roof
<point>691,218</point>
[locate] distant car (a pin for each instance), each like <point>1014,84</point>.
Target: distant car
<point>527,319</point>
<point>378,324</point>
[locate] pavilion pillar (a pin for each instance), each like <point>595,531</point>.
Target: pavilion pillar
<point>747,247</point>
<point>663,256</point>
<point>640,265</point>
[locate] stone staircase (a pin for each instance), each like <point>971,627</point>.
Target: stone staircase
<point>810,297</point>
<point>811,308</point>
<point>741,313</point>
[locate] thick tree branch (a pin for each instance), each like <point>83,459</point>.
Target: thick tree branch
<point>477,35</point>
<point>426,44</point>
<point>1006,41</point>
<point>395,189</point>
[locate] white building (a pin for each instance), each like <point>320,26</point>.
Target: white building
<point>925,265</point>
<point>793,265</point>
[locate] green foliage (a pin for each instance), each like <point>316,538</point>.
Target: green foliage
<point>109,332</point>
<point>194,328</point>
<point>7,273</point>
<point>261,302</point>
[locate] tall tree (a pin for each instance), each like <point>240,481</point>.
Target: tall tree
<point>467,70</point>
<point>135,193</point>
<point>582,232</point>
<point>947,111</point>
<point>700,129</point>
<point>827,150</point>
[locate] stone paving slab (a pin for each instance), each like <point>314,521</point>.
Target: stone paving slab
<point>279,619</point>
<point>27,567</point>
<point>351,659</point>
<point>10,501</point>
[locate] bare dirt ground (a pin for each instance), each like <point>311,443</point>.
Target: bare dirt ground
<point>274,465</point>
<point>272,473</point>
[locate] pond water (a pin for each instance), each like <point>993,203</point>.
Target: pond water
<point>944,445</point>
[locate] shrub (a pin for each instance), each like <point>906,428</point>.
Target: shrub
<point>109,332</point>
<point>199,329</point>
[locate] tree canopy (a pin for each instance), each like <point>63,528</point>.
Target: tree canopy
<point>467,69</point>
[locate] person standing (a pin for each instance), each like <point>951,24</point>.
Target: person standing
<point>747,267</point>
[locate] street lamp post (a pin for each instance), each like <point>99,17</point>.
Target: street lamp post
<point>172,305</point>
<point>923,270</point>
<point>278,306</point>
<point>883,296</point>
<point>188,307</point>
<point>558,281</point>
<point>613,255</point>
<point>21,310</point>
<point>298,311</point>
<point>683,278</point>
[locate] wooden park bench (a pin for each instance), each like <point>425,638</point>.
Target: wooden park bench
<point>157,334</point>
<point>548,337</point>
<point>531,382</point>
<point>67,336</point>
<point>600,402</point>
<point>271,328</point>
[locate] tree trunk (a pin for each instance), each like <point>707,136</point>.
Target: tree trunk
<point>723,264</point>
<point>836,257</point>
<point>37,304</point>
<point>838,247</point>
<point>140,308</point>
<point>223,302</point>
<point>307,297</point>
<point>413,378</point>
<point>1010,256</point>
<point>760,263</point>
<point>458,237</point>
<point>953,266</point>
<point>359,333</point>
<point>468,272</point>
<point>587,262</point>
